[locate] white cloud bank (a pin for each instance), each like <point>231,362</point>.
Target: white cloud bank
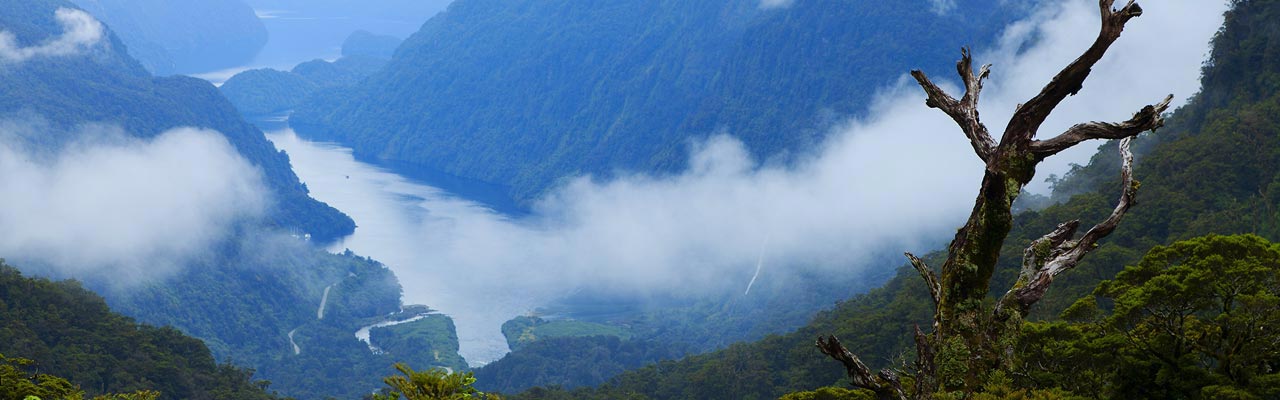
<point>903,175</point>
<point>121,209</point>
<point>80,32</point>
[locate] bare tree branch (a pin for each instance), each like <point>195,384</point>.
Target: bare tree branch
<point>1026,121</point>
<point>1148,119</point>
<point>935,289</point>
<point>962,287</point>
<point>1127,195</point>
<point>1040,251</point>
<point>965,110</point>
<point>1054,254</point>
<point>886,384</point>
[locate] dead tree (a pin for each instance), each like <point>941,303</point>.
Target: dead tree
<point>970,337</point>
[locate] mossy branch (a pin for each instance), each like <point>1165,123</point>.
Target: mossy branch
<point>965,110</point>
<point>886,384</point>
<point>1054,254</point>
<point>931,279</point>
<point>967,341</point>
<point>1149,118</point>
<point>1028,118</point>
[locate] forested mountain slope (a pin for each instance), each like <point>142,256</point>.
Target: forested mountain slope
<point>109,87</point>
<point>69,332</point>
<point>249,293</point>
<point>524,93</point>
<point>259,92</point>
<point>1215,168</point>
<point>183,36</point>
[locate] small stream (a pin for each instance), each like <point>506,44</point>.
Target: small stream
<point>323,300</point>
<point>296,350</point>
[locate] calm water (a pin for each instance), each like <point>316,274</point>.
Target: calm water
<point>417,230</point>
<point>300,32</point>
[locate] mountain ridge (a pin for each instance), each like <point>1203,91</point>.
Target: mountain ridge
<point>525,94</point>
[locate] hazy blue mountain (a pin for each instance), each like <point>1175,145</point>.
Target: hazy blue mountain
<point>1239,105</point>
<point>266,91</point>
<point>183,36</point>
<point>365,43</point>
<point>301,30</point>
<point>398,17</point>
<point>522,93</point>
<point>107,86</point>
<point>245,295</point>
<point>345,71</point>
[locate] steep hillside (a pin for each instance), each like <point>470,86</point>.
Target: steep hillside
<point>610,335</point>
<point>266,91</point>
<point>1214,169</point>
<point>69,332</point>
<point>524,93</point>
<point>260,92</point>
<point>365,43</point>
<point>250,294</point>
<point>105,86</point>
<point>183,36</point>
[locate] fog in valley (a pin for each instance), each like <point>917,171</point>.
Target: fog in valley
<point>901,179</point>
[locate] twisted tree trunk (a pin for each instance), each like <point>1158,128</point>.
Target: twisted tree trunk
<point>970,338</point>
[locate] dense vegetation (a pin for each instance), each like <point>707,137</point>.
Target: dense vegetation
<point>266,91</point>
<point>431,384</point>
<point>524,93</point>
<point>258,300</point>
<point>660,328</point>
<point>183,36</point>
<point>431,341</point>
<point>1197,319</point>
<point>108,87</point>
<point>523,330</point>
<point>369,44</point>
<point>70,333</point>
<point>571,361</point>
<point>245,296</point>
<point>1228,132</point>
<point>345,71</point>
<point>1158,311</point>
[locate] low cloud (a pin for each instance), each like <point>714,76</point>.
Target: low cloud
<point>106,206</point>
<point>942,7</point>
<point>770,4</point>
<point>902,179</point>
<point>80,32</point>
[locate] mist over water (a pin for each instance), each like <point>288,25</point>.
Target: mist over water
<point>398,221</point>
<point>896,179</point>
